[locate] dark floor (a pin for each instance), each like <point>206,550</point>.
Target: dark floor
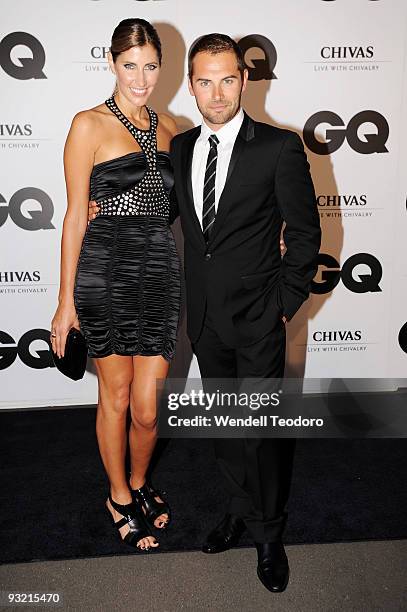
<point>53,488</point>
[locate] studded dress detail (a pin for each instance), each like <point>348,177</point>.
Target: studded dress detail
<point>127,286</point>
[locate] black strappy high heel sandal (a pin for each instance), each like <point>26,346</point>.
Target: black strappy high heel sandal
<point>145,497</point>
<point>134,518</point>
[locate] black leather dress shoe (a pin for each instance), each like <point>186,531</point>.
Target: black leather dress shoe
<point>272,568</point>
<point>225,535</point>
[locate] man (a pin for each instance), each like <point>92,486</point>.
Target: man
<point>236,181</point>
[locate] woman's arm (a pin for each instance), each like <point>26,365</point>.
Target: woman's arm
<point>79,156</point>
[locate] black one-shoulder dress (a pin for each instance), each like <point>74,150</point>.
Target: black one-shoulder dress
<point>127,286</point>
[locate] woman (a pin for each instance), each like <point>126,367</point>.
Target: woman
<point>120,276</point>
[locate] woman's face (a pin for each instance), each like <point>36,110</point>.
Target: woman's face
<point>137,73</point>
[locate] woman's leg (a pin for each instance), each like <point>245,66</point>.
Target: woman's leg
<point>143,428</point>
<point>115,375</point>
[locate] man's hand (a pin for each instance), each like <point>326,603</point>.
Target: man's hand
<point>282,251</point>
<point>93,209</point>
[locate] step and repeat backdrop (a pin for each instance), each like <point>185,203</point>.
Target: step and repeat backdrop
<point>332,70</point>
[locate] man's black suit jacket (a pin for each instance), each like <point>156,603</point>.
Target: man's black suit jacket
<point>240,275</point>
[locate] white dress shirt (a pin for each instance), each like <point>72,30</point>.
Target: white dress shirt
<point>226,135</point>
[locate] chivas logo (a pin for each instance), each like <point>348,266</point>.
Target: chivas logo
<point>347,52</point>
<point>99,52</point>
<point>20,277</point>
<point>343,335</point>
<point>341,201</point>
<point>15,129</point>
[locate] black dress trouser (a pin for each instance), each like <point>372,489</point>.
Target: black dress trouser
<point>257,471</point>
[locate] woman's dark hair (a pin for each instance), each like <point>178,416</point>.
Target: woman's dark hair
<point>215,43</point>
<point>134,33</point>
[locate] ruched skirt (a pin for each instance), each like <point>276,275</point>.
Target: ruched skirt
<point>127,287</point>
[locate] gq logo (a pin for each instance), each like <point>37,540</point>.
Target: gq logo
<point>259,69</point>
<point>36,219</point>
<point>373,142</point>
<point>30,65</point>
<point>403,338</point>
<point>365,283</point>
<point>38,358</point>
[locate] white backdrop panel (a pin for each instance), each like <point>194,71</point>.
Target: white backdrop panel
<point>341,332</point>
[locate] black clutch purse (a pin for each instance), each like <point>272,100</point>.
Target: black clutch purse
<point>73,363</point>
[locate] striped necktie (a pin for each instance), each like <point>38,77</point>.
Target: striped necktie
<point>208,208</point>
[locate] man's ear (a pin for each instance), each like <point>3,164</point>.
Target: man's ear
<point>245,79</point>
<point>191,91</point>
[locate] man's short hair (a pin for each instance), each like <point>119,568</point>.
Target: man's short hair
<point>215,43</point>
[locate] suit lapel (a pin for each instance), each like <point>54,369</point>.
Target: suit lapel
<point>245,134</point>
<point>188,154</point>
<point>188,151</point>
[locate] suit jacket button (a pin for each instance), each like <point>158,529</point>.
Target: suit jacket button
<point>207,256</point>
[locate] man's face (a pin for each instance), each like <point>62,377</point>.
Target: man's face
<point>217,86</point>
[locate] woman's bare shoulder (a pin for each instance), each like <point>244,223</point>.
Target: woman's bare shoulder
<point>90,118</point>
<point>169,123</point>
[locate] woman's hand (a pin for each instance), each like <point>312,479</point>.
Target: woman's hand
<point>64,318</point>
<point>93,210</point>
